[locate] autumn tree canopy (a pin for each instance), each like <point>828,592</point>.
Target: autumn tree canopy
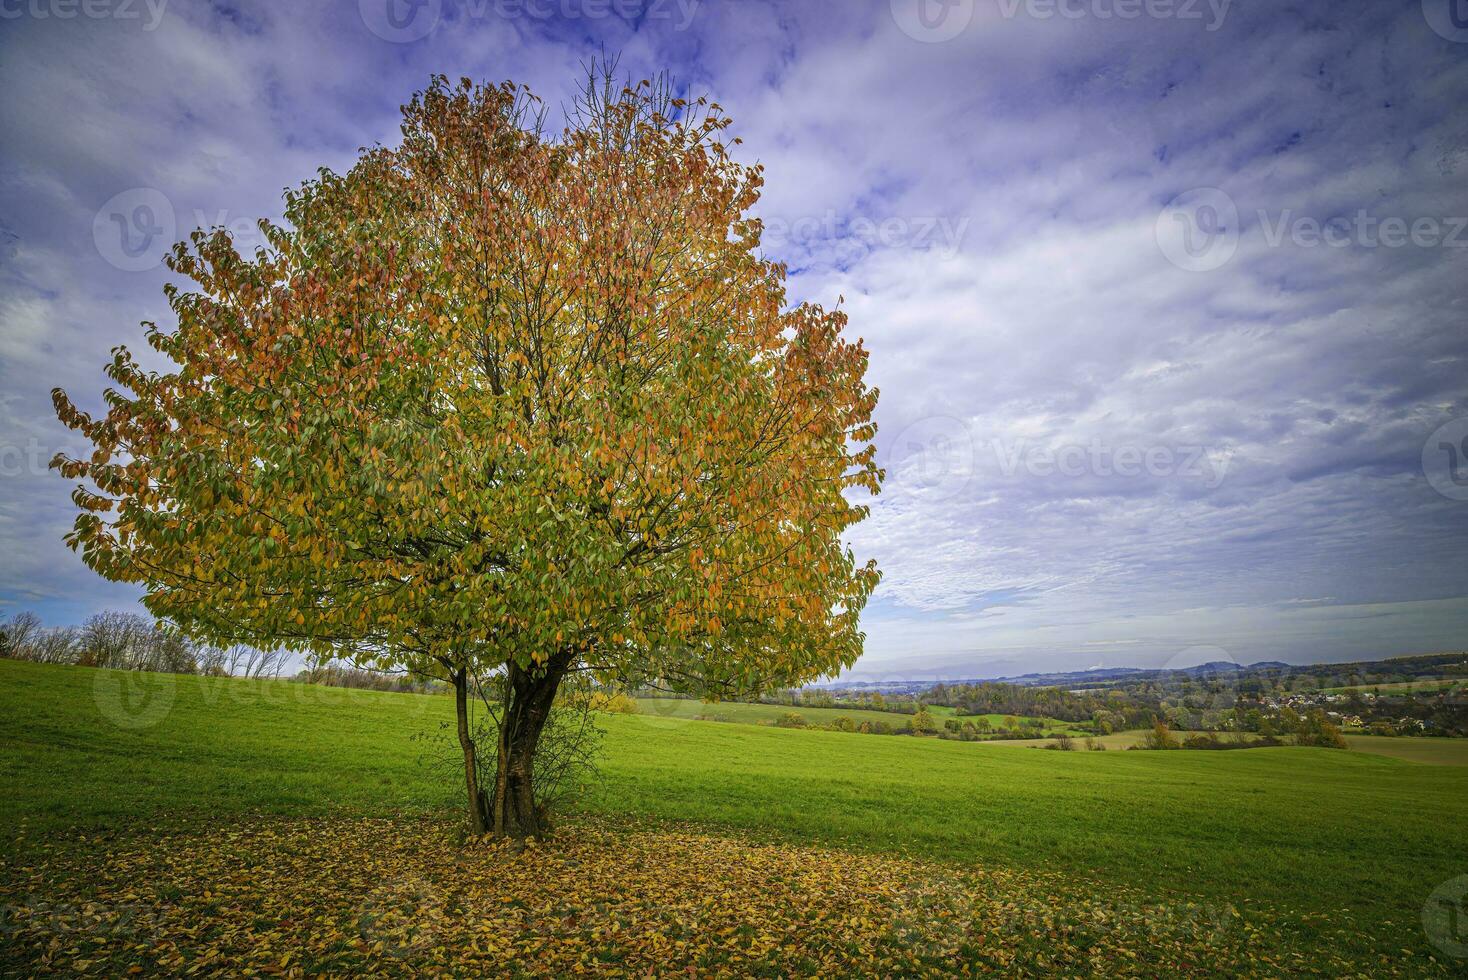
<point>499,400</point>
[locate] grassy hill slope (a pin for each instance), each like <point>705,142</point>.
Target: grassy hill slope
<point>740,712</point>
<point>1344,839</point>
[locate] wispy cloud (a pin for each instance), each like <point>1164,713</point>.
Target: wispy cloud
<point>1158,369</point>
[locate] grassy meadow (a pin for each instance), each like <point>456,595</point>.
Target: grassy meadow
<point>1431,751</point>
<point>1420,686</point>
<point>1293,835</point>
<point>737,712</point>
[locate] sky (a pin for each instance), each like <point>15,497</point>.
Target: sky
<point>1165,298</point>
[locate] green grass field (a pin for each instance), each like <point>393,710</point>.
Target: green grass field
<point>1422,686</point>
<point>760,714</point>
<point>1116,740</point>
<point>1430,751</point>
<point>767,714</point>
<point>1344,842</point>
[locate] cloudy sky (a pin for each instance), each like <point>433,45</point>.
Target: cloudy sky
<point>1166,298</point>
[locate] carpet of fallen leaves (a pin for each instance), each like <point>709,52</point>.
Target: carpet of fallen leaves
<point>401,897</point>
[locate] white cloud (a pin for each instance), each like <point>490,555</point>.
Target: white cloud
<point>1014,297</point>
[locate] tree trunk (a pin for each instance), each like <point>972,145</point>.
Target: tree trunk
<point>531,694</point>
<point>478,823</point>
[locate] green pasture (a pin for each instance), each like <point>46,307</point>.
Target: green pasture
<point>1302,830</point>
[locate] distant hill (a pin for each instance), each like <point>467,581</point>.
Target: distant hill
<point>1100,676</point>
<point>1073,678</point>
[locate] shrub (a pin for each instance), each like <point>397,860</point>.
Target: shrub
<point>1317,730</point>
<point>1160,737</point>
<point>612,702</point>
<point>791,719</point>
<point>564,765</point>
<point>922,723</point>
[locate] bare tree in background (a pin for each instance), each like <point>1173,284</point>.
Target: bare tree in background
<point>21,632</point>
<point>128,641</point>
<point>110,639</point>
<point>236,657</point>
<point>55,646</point>
<point>211,660</point>
<point>269,663</point>
<point>247,661</point>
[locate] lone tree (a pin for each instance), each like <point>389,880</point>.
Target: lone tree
<point>496,402</point>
